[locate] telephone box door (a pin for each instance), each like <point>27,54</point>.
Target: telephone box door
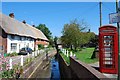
<point>108,50</point>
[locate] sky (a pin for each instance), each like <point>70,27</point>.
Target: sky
<point>55,14</point>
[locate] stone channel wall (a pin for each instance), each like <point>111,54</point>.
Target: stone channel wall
<point>28,69</point>
<point>65,71</point>
<point>78,70</point>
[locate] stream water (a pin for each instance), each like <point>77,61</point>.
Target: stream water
<point>55,74</point>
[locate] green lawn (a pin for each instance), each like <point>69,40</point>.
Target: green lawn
<point>84,55</point>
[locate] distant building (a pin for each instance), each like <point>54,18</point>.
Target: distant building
<point>15,35</point>
<point>42,42</point>
<point>59,43</point>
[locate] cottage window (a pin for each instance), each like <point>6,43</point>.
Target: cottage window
<point>12,36</point>
<point>31,39</point>
<point>23,38</point>
<point>20,38</point>
<point>13,46</point>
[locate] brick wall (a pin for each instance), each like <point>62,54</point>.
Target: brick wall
<point>3,40</point>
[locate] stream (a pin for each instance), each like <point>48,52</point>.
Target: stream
<point>55,74</point>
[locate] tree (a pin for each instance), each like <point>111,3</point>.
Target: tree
<point>87,38</point>
<point>74,35</point>
<point>46,32</point>
<point>71,35</point>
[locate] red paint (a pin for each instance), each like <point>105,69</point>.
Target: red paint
<point>108,49</point>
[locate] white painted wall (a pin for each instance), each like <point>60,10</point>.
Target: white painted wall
<point>20,43</point>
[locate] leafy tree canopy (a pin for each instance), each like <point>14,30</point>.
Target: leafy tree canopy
<point>45,30</point>
<point>74,35</point>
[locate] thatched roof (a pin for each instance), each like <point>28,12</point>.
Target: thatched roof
<point>13,26</point>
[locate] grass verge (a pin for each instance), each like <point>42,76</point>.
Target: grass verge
<point>84,55</point>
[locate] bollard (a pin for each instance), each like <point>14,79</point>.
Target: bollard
<point>74,56</point>
<point>28,54</point>
<point>32,54</point>
<point>21,60</point>
<point>71,54</point>
<point>38,52</point>
<point>10,61</point>
<point>65,52</point>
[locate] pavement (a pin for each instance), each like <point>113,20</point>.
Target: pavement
<point>96,66</point>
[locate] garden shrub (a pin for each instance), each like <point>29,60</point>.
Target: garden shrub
<point>12,54</point>
<point>40,46</point>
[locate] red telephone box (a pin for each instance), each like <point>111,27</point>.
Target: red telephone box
<point>108,49</point>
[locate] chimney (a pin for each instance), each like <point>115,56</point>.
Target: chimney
<point>33,25</point>
<point>11,15</point>
<point>24,21</point>
<point>88,30</point>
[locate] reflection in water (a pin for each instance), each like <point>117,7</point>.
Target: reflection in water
<point>55,75</point>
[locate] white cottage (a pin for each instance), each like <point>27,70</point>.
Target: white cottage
<point>15,35</point>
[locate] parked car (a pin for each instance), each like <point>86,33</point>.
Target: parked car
<point>25,51</point>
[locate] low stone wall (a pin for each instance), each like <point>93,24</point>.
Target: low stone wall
<point>78,70</point>
<point>28,69</point>
<point>83,70</point>
<point>65,71</point>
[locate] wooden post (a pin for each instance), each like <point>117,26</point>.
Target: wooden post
<point>32,54</point>
<point>10,61</point>
<point>71,54</point>
<point>100,13</point>
<point>21,60</point>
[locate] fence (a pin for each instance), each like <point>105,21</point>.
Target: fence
<point>8,62</point>
<point>25,64</point>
